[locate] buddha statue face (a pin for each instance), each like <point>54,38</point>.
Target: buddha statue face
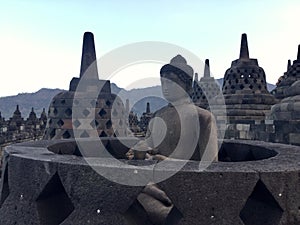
<point>173,88</point>
<point>176,79</point>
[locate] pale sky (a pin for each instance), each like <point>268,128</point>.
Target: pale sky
<point>41,41</point>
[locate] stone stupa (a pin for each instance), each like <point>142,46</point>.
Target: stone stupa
<point>205,90</point>
<point>289,77</point>
<point>247,100</point>
<point>60,124</point>
<point>286,114</point>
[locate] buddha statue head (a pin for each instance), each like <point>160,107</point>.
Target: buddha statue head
<point>176,79</point>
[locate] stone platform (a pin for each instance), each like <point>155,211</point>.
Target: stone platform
<point>254,183</point>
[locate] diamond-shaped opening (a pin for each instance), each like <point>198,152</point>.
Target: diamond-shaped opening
<point>5,186</point>
<point>53,203</point>
<point>94,123</point>
<point>63,101</point>
<point>76,123</point>
<point>116,133</point>
<point>66,135</point>
<point>152,207</point>
<point>108,103</point>
<point>55,111</point>
<point>136,215</point>
<point>85,112</point>
<point>108,124</point>
<point>84,134</point>
<point>102,113</point>
<point>261,207</point>
<point>60,122</point>
<point>93,102</point>
<point>103,134</point>
<point>68,112</point>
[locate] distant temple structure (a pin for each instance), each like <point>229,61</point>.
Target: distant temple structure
<point>145,118</point>
<point>205,90</point>
<point>109,111</point>
<point>288,78</point>
<point>17,129</point>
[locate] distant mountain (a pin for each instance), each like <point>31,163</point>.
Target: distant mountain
<point>138,98</point>
<point>42,98</point>
<point>38,100</point>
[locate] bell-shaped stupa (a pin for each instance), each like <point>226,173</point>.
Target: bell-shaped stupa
<point>247,100</point>
<point>61,124</point>
<point>205,90</point>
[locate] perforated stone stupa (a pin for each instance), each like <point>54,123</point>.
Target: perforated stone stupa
<point>286,114</point>
<point>145,118</point>
<point>247,99</point>
<point>289,77</point>
<point>206,89</point>
<point>105,106</point>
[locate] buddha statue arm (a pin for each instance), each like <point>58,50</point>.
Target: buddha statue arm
<point>208,141</point>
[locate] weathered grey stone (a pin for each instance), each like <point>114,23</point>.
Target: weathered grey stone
<point>205,90</point>
<point>259,180</point>
<point>246,96</point>
<point>286,115</point>
<point>93,98</point>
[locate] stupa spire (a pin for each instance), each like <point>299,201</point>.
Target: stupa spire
<point>289,64</point>
<point>298,55</point>
<point>88,57</point>
<point>244,52</point>
<point>206,68</point>
<point>196,77</point>
<point>148,108</point>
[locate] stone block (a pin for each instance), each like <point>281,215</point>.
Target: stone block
<point>269,122</point>
<point>294,138</point>
<point>243,127</point>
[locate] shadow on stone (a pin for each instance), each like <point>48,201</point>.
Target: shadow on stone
<point>5,186</point>
<point>240,152</point>
<point>53,204</point>
<point>174,217</point>
<point>111,146</point>
<point>261,208</point>
<point>136,215</point>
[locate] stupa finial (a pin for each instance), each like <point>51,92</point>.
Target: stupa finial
<point>244,52</point>
<point>206,68</point>
<point>88,57</point>
<point>148,108</point>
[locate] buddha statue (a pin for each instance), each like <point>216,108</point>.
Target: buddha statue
<point>179,118</point>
